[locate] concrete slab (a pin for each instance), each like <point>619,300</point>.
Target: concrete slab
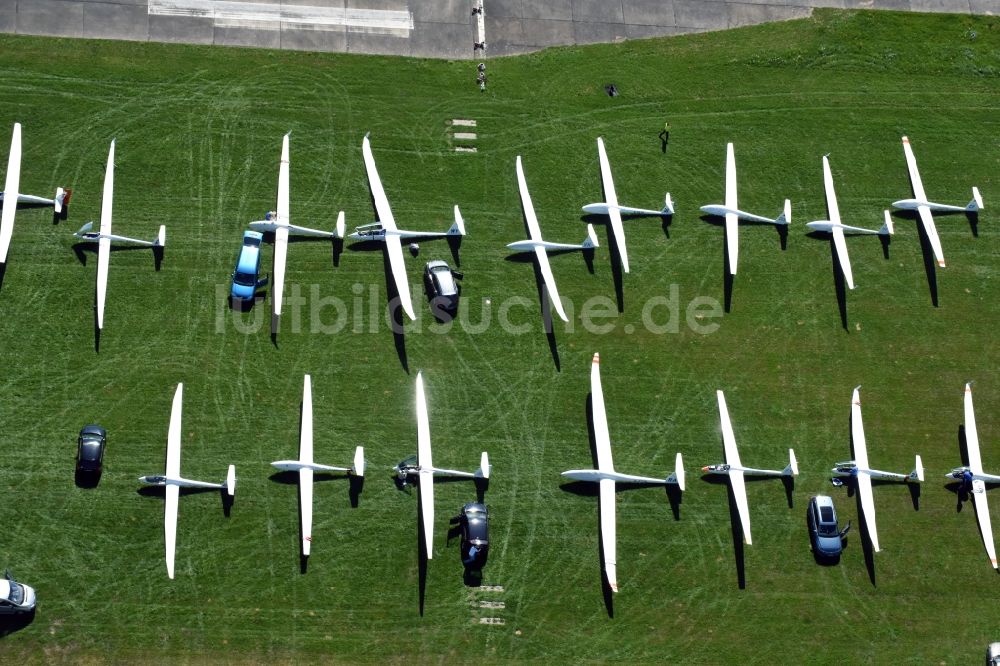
<point>547,9</point>
<point>747,14</point>
<point>987,7</point>
<point>647,31</point>
<point>701,15</point>
<point>648,12</point>
<point>442,40</point>
<point>503,34</point>
<point>942,5</point>
<point>8,16</point>
<point>392,5</point>
<point>181,29</point>
<point>502,8</point>
<point>598,33</point>
<point>539,32</point>
<point>598,11</point>
<point>359,42</point>
<point>300,39</point>
<point>59,18</point>
<point>265,35</point>
<point>442,11</point>
<point>114,21</point>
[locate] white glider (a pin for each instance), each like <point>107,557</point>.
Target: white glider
<point>104,237</point>
<point>979,478</point>
<point>425,470</point>
<point>858,469</point>
<point>541,247</point>
<point>736,471</point>
<point>733,214</point>
<point>606,475</point>
<point>173,482</point>
<point>306,467</point>
<point>834,227</point>
<point>10,187</point>
<point>614,211</point>
<point>385,231</point>
<point>924,207</point>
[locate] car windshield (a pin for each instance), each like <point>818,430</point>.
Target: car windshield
<point>245,279</point>
<point>16,592</point>
<point>90,450</point>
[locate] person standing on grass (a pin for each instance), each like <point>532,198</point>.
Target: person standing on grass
<point>665,136</point>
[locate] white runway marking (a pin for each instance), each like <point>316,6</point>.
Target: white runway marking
<point>272,16</point>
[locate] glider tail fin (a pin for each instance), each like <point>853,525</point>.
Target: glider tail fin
<point>161,237</point>
<point>976,204</point>
<point>886,229</point>
<point>359,462</point>
<point>339,230</point>
<point>484,467</point>
<point>917,475</point>
<point>678,474</point>
<point>458,228</point>
<point>231,480</point>
<point>786,214</point>
<point>793,466</point>
<point>668,205</point>
<point>590,242</point>
<point>61,205</point>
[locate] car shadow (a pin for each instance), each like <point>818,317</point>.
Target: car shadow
<point>10,624</point>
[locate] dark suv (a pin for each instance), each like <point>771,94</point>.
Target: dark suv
<point>90,450</point>
<point>474,523</point>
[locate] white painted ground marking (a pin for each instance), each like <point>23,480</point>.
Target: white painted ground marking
<point>465,149</point>
<point>492,620</point>
<point>272,16</point>
<point>465,135</point>
<point>464,122</point>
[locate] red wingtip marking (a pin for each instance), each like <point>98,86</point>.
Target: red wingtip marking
<point>597,358</point>
<point>941,264</point>
<point>906,139</point>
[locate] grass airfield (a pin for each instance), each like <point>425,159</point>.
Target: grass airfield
<point>199,133</point>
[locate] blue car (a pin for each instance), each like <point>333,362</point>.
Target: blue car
<point>245,280</point>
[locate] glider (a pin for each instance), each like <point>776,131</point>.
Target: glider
<point>10,187</point>
<point>733,214</point>
<point>834,227</point>
<point>541,247</point>
<point>306,467</point>
<point>858,469</point>
<point>606,475</point>
<point>104,237</point>
<point>59,203</point>
<point>425,470</point>
<point>924,207</point>
<point>385,231</point>
<point>977,477</point>
<point>614,211</point>
<point>736,471</point>
<point>173,482</point>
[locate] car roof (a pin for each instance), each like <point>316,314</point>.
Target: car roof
<point>247,263</point>
<point>823,500</point>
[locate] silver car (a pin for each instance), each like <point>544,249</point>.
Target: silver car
<point>15,598</point>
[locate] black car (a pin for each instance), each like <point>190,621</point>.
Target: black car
<point>442,286</point>
<point>90,450</point>
<point>474,524</point>
<point>826,536</point>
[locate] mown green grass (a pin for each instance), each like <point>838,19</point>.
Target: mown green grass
<point>199,133</point>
